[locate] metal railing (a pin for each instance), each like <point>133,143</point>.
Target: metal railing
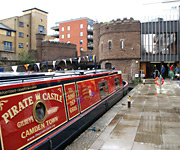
<point>90,36</point>
<point>8,80</point>
<point>159,58</point>
<point>55,28</point>
<point>90,44</point>
<point>7,48</point>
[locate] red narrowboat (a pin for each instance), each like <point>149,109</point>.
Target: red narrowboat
<point>48,111</point>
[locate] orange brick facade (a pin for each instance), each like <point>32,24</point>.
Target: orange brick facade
<point>73,29</point>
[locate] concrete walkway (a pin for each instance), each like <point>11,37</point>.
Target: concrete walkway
<point>152,122</point>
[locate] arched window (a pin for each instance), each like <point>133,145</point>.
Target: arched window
<point>102,47</point>
<point>110,44</point>
<point>108,66</point>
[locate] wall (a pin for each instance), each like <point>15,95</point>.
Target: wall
<point>126,60</point>
<point>37,19</point>
<point>74,33</point>
<point>49,51</point>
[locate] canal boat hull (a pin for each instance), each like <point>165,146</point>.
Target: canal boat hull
<point>51,114</point>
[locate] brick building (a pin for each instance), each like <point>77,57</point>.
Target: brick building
<point>76,31</point>
<point>117,44</point>
<point>49,51</point>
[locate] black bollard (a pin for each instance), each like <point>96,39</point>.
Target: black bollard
<point>129,102</point>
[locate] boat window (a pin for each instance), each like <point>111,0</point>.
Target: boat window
<point>103,89</point>
<point>117,83</point>
<point>39,111</point>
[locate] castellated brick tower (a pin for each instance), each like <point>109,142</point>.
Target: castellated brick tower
<point>117,44</point>
<point>96,38</point>
<point>39,38</point>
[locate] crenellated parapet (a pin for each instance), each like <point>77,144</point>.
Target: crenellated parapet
<point>117,44</point>
<point>115,26</point>
<point>58,44</point>
<point>53,50</point>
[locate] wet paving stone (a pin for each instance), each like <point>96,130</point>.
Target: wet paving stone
<point>171,131</point>
<point>177,110</point>
<point>149,146</point>
<point>149,138</point>
<point>131,117</point>
<point>116,119</point>
<point>150,118</point>
<point>126,128</point>
<point>151,109</point>
<point>150,128</point>
<point>152,122</point>
<point>139,98</point>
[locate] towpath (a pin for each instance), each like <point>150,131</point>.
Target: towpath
<point>152,122</point>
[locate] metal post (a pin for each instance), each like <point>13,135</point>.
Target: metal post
<point>129,101</point>
<point>160,83</point>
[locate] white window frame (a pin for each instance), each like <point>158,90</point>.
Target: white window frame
<point>122,44</point>
<point>81,26</point>
<point>68,35</point>
<point>68,28</point>
<point>81,48</point>
<point>62,36</point>
<point>81,34</point>
<point>81,42</point>
<point>62,29</point>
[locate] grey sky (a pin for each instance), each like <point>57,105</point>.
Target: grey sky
<point>98,10</point>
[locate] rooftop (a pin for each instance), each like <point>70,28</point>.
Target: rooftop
<point>5,27</point>
<point>35,9</point>
<point>81,18</point>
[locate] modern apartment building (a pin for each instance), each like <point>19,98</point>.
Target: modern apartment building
<point>19,33</point>
<point>76,31</point>
<point>159,45</point>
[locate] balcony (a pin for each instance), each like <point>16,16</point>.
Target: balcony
<point>56,28</point>
<point>7,48</point>
<point>9,56</point>
<point>90,28</point>
<point>55,34</point>
<point>90,45</point>
<point>90,37</point>
<point>159,58</point>
<point>42,32</point>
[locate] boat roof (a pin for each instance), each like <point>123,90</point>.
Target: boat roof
<point>8,78</point>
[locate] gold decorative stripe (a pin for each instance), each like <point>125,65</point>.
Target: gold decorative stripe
<point>29,91</point>
<point>2,145</point>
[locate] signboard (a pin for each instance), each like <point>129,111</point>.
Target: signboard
<point>136,75</point>
<point>88,93</point>
<point>111,84</point>
<point>142,75</point>
<point>71,100</point>
<point>27,116</point>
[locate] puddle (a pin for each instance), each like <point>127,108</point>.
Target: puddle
<point>149,138</point>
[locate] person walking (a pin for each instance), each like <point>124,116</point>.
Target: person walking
<point>163,70</point>
<point>171,68</point>
<point>176,72</point>
<point>171,72</point>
